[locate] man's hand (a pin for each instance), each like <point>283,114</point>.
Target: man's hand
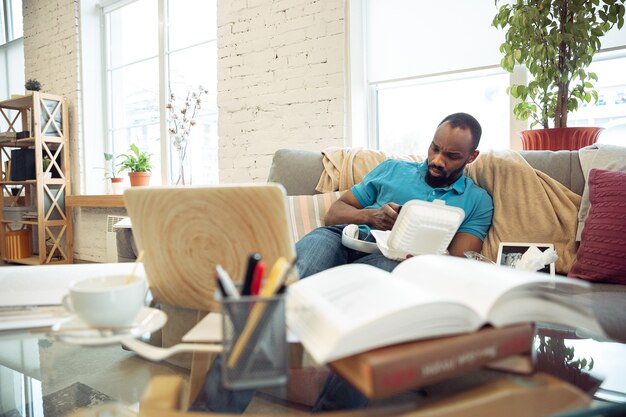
<point>385,217</point>
<point>348,210</point>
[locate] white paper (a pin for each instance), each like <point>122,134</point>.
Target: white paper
<point>40,285</point>
<point>123,224</point>
<point>32,317</point>
<point>208,330</point>
<point>31,296</point>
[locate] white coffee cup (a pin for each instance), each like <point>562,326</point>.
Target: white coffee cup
<point>106,301</point>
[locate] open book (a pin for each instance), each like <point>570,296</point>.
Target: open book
<point>355,308</point>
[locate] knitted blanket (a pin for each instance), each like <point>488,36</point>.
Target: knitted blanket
<point>344,167</point>
<point>529,206</point>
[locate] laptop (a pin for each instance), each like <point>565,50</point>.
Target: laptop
<point>185,231</point>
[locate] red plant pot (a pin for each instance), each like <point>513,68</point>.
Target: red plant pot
<point>562,138</point>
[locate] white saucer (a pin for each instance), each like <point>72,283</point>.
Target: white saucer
<point>76,331</point>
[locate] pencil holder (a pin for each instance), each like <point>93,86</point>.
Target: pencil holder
<point>255,344</point>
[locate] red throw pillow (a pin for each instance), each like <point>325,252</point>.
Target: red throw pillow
<point>602,252</point>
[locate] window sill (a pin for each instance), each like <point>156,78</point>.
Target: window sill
<point>94,200</point>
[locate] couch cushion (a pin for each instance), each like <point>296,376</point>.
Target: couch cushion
<point>306,212</point>
<point>602,252</point>
<point>297,170</point>
<point>563,166</point>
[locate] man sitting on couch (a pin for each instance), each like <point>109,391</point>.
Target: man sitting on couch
<point>375,202</point>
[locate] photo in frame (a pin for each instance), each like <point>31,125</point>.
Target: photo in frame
<point>510,252</point>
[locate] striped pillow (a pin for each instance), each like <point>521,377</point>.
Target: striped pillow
<point>306,212</point>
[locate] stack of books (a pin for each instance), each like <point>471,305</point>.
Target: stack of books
<point>383,372</point>
<point>432,318</point>
<point>29,215</point>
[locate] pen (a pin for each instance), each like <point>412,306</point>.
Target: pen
<point>220,286</point>
<point>253,260</point>
<point>257,278</point>
<point>227,283</point>
<point>286,272</point>
<point>277,274</point>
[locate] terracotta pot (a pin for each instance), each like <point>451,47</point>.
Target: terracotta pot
<point>562,138</point>
<point>138,179</point>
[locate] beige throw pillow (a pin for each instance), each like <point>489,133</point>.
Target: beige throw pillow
<point>598,156</point>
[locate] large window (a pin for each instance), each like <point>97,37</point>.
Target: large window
<point>610,110</point>
<point>11,49</point>
<point>425,61</point>
<point>415,62</point>
<point>145,64</point>
<point>409,111</point>
<point>191,59</point>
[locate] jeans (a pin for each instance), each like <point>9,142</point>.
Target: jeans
<point>322,249</point>
<point>213,397</point>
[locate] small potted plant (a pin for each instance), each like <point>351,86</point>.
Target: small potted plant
<point>138,164</point>
<point>117,183</point>
<point>32,85</point>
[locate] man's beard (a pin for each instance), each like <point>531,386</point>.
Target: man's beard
<point>446,179</point>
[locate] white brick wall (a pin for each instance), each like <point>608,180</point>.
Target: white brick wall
<point>90,243</point>
<point>280,81</point>
<point>52,56</point>
<point>280,84</point>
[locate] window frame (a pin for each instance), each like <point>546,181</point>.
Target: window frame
<point>9,42</point>
<point>108,69</point>
<point>449,76</point>
<point>164,52</point>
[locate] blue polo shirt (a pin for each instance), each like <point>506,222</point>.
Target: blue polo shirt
<point>400,181</point>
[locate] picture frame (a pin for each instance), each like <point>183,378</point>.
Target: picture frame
<point>509,252</point>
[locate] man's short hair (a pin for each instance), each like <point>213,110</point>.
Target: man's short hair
<point>465,121</point>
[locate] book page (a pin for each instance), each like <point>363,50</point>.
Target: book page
<point>558,307</point>
<point>357,294</point>
<point>356,307</point>
<point>473,283</point>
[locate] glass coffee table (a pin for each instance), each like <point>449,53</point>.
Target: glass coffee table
<point>42,376</point>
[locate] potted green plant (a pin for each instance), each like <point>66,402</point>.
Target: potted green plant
<point>556,41</point>
<point>138,164</point>
<point>117,183</point>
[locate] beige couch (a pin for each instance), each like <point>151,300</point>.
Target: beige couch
<point>299,172</point>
